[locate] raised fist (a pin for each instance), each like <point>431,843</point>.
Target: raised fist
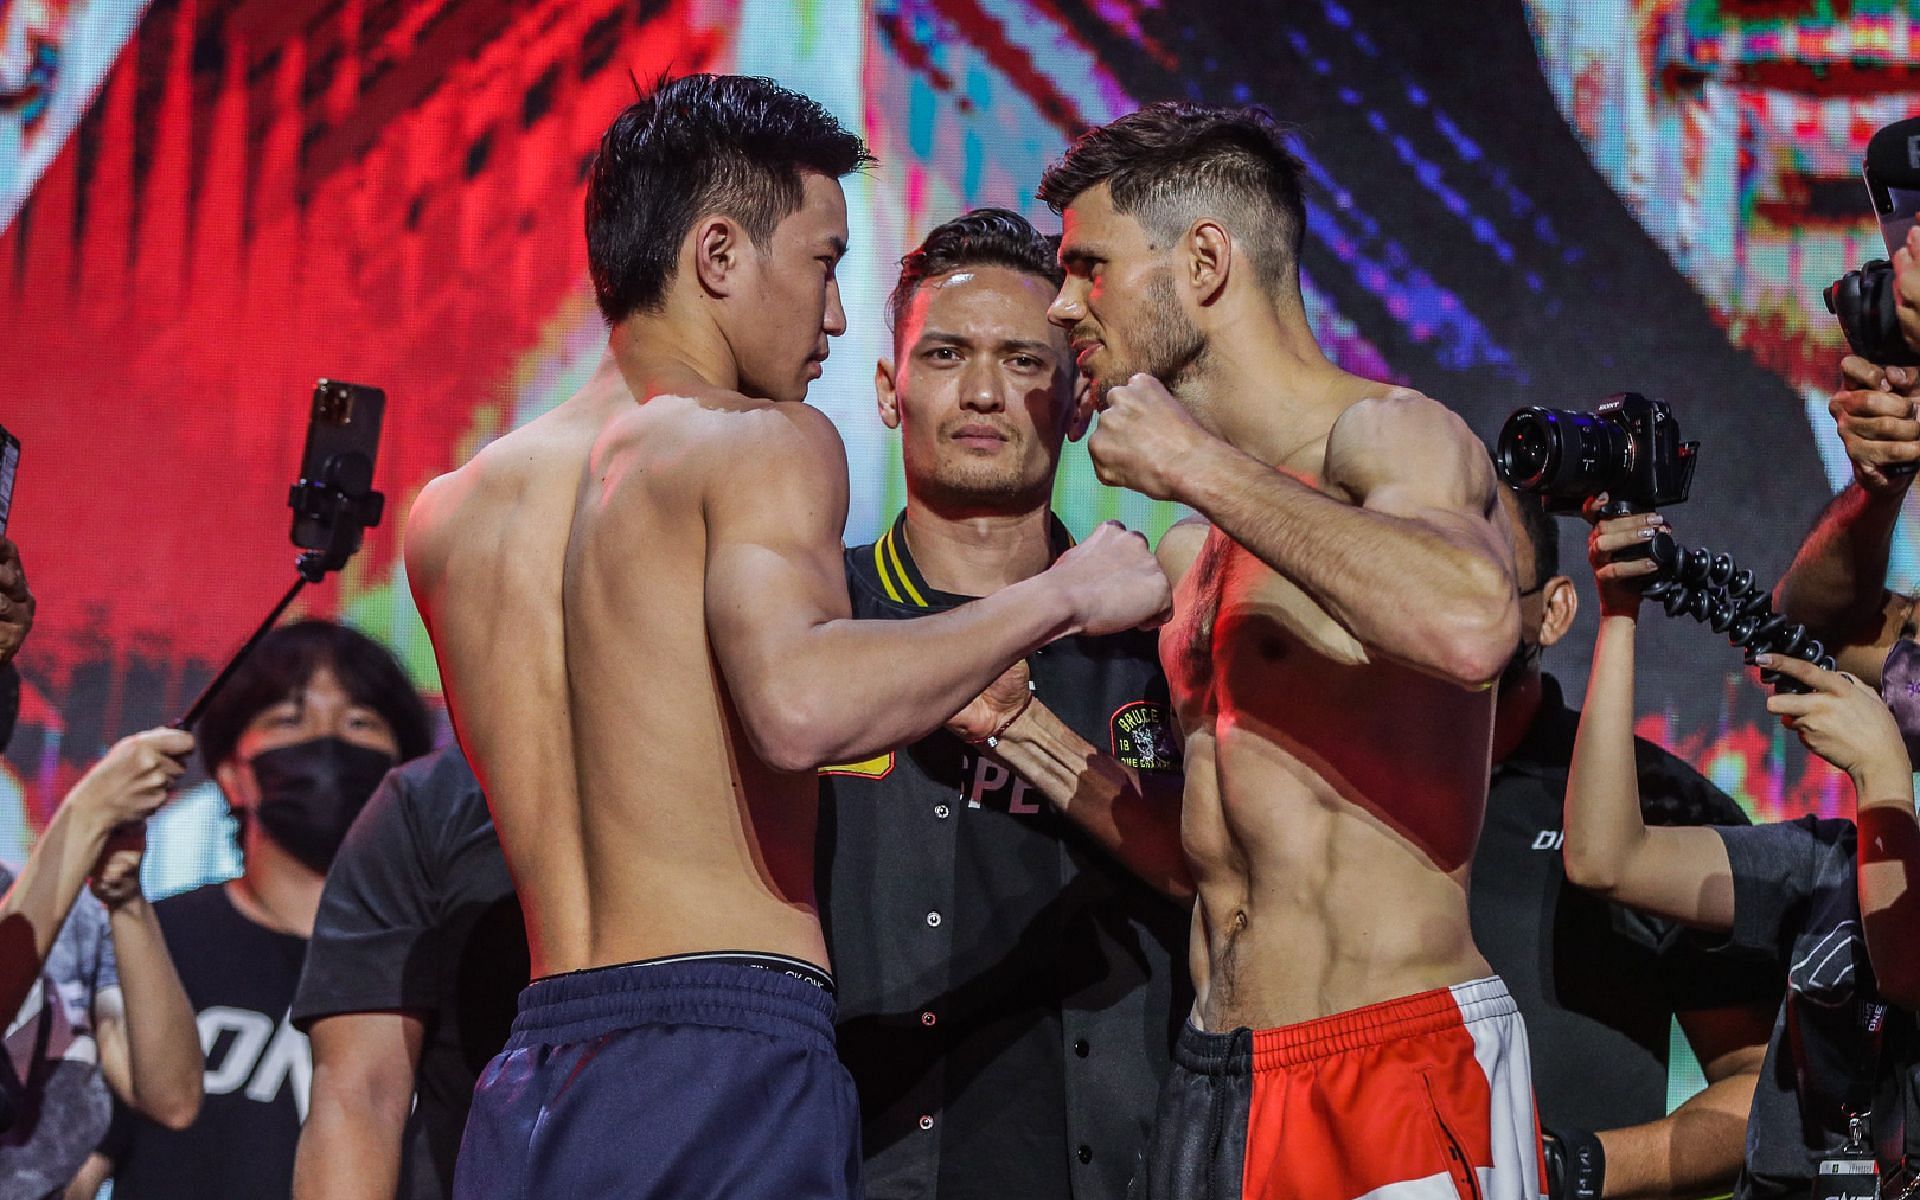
<point>1113,582</point>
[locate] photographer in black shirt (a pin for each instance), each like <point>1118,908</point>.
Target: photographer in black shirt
<point>297,741</point>
<point>1600,985</point>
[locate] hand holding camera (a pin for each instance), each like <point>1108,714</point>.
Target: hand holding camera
<point>1617,551</point>
<point>132,781</point>
<point>1841,719</point>
<point>1879,423</point>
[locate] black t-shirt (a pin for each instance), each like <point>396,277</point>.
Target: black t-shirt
<point>420,915</point>
<point>1597,983</point>
<point>240,979</point>
<point>1795,898</point>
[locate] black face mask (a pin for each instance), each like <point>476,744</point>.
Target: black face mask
<point>310,792</point>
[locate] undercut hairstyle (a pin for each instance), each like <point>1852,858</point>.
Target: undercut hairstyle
<point>1543,531</point>
<point>985,237</point>
<point>282,664</point>
<point>1173,162</point>
<point>727,144</point>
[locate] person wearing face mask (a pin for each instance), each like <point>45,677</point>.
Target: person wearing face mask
<point>297,742</point>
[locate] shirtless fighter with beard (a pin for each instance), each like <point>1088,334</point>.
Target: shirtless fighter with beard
<point>1340,616</point>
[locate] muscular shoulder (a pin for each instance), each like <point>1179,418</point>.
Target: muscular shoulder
<point>1403,439</point>
<point>1181,544</point>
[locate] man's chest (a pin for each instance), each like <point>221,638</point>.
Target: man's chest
<point>1239,626</point>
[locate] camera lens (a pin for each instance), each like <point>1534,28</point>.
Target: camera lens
<point>1528,449</point>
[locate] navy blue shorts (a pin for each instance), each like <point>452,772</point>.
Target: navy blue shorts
<point>669,1079</point>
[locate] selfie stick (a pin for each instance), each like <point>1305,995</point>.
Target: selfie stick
<point>344,503</point>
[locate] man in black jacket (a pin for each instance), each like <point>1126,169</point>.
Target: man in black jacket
<point>1008,991</point>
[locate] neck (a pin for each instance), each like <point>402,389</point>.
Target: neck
<point>670,353</point>
<point>1265,386</point>
<point>971,551</point>
<point>1513,712</point>
<point>276,890</point>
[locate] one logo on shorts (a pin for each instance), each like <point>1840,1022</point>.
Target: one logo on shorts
<point>1143,739</point>
<point>878,767</point>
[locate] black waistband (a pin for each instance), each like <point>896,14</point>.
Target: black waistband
<point>797,968</point>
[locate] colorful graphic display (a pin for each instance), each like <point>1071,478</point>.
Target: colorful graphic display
<point>206,205</point>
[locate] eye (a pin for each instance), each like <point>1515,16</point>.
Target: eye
<point>943,354</point>
<point>829,262</point>
<point>1026,362</point>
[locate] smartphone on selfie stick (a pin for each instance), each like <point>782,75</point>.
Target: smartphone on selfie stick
<point>333,504</point>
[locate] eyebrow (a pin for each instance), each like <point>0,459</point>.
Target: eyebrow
<point>941,337</point>
<point>839,246</point>
<point>1080,256</point>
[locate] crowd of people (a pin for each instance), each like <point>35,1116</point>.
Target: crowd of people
<point>978,861</point>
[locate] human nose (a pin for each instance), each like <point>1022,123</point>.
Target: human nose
<point>980,387</point>
<point>835,320</point>
<point>1066,309</point>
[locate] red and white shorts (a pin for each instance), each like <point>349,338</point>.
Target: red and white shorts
<point>1427,1097</point>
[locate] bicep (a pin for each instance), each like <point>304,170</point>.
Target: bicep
<point>1681,873</point>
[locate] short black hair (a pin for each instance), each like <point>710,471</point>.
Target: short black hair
<point>1174,161</point>
<point>730,144</point>
<point>1543,531</point>
<point>985,237</point>
<point>291,655</point>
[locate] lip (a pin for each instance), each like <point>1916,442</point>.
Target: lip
<point>1082,351</point>
<point>984,437</point>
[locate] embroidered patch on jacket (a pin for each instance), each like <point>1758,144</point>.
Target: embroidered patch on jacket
<point>867,768</point>
<point>1143,738</point>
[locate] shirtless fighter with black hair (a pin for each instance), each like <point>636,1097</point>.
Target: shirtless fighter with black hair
<point>640,612</point>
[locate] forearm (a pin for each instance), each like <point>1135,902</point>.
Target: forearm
<point>351,1143</point>
<point>1134,816</point>
<point>1888,864</point>
<point>1839,575</point>
<point>1694,1151</point>
<point>164,1055</point>
<point>1399,586</point>
<point>850,689</point>
<point>35,907</point>
<point>1604,826</point>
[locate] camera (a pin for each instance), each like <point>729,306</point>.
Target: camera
<point>1629,448</point>
<point>1864,299</point>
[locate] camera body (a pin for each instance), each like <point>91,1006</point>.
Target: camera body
<point>1864,299</point>
<point>1629,448</point>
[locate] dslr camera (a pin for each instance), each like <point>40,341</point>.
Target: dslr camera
<point>1629,448</point>
<point>1864,299</point>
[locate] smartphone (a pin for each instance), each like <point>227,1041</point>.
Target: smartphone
<point>343,443</point>
<point>9,467</point>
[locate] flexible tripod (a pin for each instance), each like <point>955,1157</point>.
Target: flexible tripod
<point>1716,591</point>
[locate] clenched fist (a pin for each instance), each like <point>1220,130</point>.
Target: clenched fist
<point>996,708</point>
<point>1112,582</point>
<point>1145,439</point>
<point>115,878</point>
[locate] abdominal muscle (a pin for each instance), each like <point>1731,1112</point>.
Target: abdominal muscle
<point>1309,905</point>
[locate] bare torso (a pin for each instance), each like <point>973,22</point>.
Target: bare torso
<point>562,576</point>
<point>1332,803</point>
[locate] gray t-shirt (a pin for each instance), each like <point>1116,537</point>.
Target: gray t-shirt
<point>1795,897</point>
<point>52,1064</point>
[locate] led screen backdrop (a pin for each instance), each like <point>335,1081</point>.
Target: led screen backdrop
<point>205,205</point>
